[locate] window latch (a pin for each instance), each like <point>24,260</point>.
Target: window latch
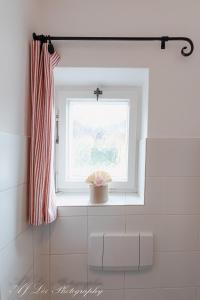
<point>57,128</point>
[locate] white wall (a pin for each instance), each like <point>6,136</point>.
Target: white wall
<point>171,107</point>
<point>172,207</point>
<point>16,252</point>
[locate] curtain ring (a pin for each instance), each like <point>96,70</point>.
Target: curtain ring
<point>50,45</point>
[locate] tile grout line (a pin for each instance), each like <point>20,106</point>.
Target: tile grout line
<point>14,187</point>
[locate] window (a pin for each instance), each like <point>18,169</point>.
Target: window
<point>98,138</point>
<point>99,135</point>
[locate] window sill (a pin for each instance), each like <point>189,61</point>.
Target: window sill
<point>82,199</point>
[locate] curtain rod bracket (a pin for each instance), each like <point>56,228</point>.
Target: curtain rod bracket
<point>164,39</point>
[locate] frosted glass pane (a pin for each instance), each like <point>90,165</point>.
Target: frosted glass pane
<point>98,139</point>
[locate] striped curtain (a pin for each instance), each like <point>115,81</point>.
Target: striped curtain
<point>42,207</point>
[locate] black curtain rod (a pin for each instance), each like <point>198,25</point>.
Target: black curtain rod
<point>185,51</point>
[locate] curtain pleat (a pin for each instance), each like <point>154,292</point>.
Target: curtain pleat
<point>42,207</point>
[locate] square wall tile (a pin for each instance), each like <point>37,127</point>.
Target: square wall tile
<point>41,239</point>
<point>109,295</point>
<point>173,157</point>
<point>171,232</point>
<point>18,291</point>
<point>68,235</point>
<point>13,160</point>
<point>16,260</point>
<point>198,293</point>
<point>161,294</point>
<point>42,269</point>
<point>170,269</point>
<point>169,195</point>
<point>13,203</point>
<point>68,270</point>
<point>68,211</point>
<point>106,210</point>
<point>106,280</point>
<point>106,224</point>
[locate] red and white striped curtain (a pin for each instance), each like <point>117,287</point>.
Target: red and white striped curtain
<point>42,207</point>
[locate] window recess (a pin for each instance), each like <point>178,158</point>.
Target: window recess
<point>97,135</point>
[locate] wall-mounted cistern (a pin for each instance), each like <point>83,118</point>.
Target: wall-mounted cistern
<point>121,251</point>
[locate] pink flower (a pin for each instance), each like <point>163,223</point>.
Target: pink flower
<point>99,178</point>
<point>99,181</point>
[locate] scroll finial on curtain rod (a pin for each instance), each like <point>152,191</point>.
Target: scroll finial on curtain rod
<point>185,51</point>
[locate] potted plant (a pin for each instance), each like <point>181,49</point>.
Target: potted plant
<point>98,183</point>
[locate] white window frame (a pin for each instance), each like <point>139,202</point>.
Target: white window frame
<point>134,95</point>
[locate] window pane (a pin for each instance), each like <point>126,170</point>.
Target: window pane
<point>98,138</point>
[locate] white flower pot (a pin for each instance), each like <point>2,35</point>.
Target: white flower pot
<point>98,194</point>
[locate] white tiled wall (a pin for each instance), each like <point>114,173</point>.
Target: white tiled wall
<point>171,212</point>
<point>62,241</point>
<point>172,202</point>
<point>16,248</point>
<point>13,160</point>
<point>173,157</point>
<point>162,294</point>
